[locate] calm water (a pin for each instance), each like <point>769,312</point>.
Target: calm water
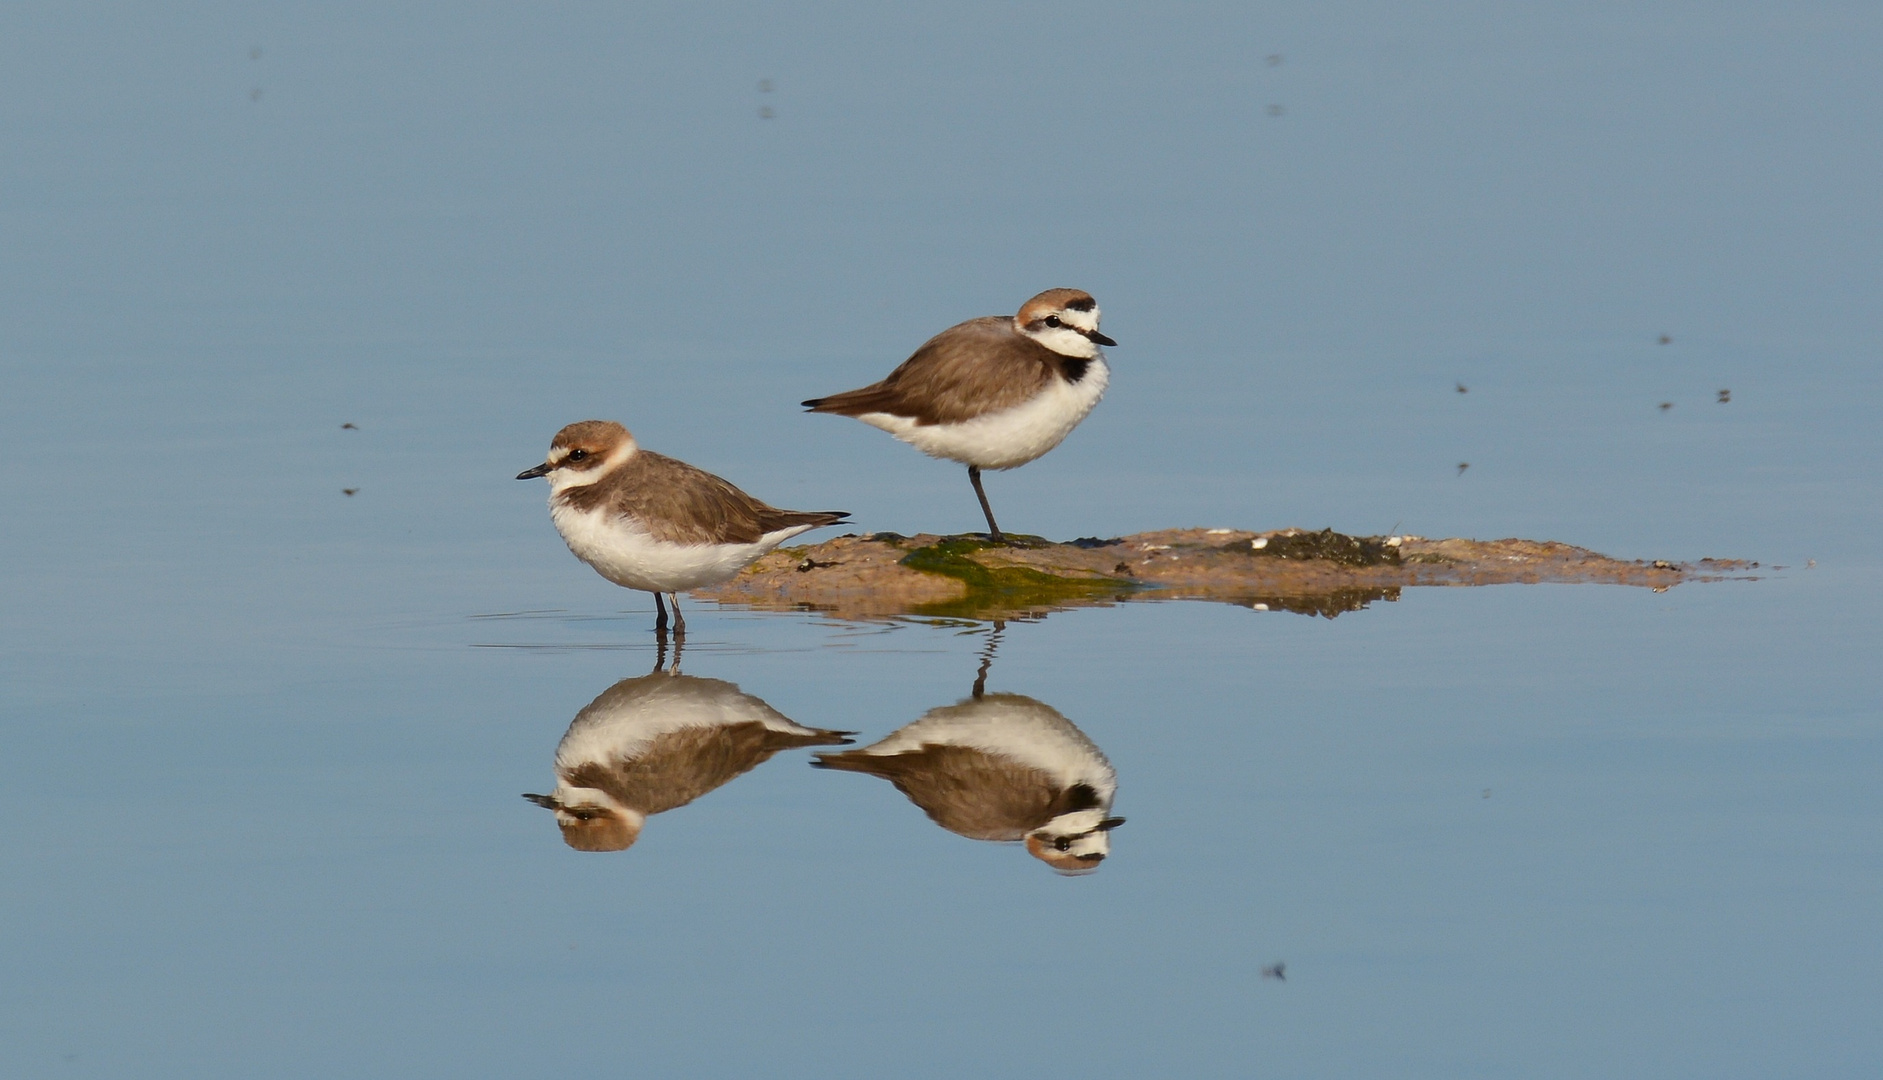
<point>264,741</point>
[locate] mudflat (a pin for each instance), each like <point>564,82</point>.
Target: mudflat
<point>1314,572</point>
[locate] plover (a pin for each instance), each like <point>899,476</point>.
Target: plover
<point>656,742</point>
<point>1001,767</point>
<point>646,521</point>
<point>992,393</point>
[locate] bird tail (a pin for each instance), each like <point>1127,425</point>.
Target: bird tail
<point>772,520</point>
<point>846,761</point>
<point>852,402</point>
<point>822,737</point>
<point>815,519</point>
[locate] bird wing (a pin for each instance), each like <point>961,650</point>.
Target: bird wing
<point>979,366</point>
<point>681,504</point>
<point>963,789</point>
<point>682,765</point>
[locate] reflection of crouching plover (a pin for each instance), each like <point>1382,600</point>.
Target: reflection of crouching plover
<point>1001,767</point>
<point>992,393</point>
<point>646,521</point>
<point>657,742</point>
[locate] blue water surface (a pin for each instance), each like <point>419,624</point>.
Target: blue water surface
<point>263,740</point>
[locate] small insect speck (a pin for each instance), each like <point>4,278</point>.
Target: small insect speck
<point>349,426</point>
<point>1810,563</point>
<point>1666,405</point>
<point>255,52</point>
<point>255,93</point>
<point>1277,970</point>
<point>1462,466</point>
<point>1485,794</point>
<point>1276,110</point>
<point>764,86</point>
<point>1274,59</point>
<point>1725,396</point>
<point>349,492</point>
<point>765,112</point>
<point>1665,340</point>
<point>1463,389</point>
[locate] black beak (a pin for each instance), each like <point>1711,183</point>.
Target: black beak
<point>1110,823</point>
<point>547,802</point>
<point>541,470</point>
<point>1098,338</point>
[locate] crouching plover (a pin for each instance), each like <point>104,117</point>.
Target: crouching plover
<point>992,393</point>
<point>646,521</point>
<point>1001,767</point>
<point>650,744</point>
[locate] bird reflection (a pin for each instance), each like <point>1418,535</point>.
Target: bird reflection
<point>1001,767</point>
<point>652,743</point>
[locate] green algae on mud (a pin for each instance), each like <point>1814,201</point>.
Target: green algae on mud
<point>1016,588</point>
<point>1309,572</point>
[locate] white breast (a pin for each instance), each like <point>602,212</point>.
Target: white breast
<point>622,551</point>
<point>1009,438</point>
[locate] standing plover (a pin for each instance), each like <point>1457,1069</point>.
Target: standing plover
<point>656,742</point>
<point>646,521</point>
<point>992,393</point>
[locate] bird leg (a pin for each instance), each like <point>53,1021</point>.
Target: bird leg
<point>660,616</point>
<point>993,530</point>
<point>987,659</point>
<point>679,620</point>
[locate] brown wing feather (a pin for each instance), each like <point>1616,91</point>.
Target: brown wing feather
<point>682,504</point>
<point>964,790</point>
<point>976,367</point>
<point>680,766</point>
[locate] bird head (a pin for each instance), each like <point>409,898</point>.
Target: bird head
<point>1074,843</point>
<point>591,827</point>
<point>582,452</point>
<point>1063,320</point>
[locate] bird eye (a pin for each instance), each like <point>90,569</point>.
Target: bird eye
<point>1053,320</point>
<point>1064,843</point>
<point>577,455</point>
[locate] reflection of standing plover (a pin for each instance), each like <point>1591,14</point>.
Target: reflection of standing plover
<point>646,521</point>
<point>992,393</point>
<point>1001,767</point>
<point>657,742</point>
